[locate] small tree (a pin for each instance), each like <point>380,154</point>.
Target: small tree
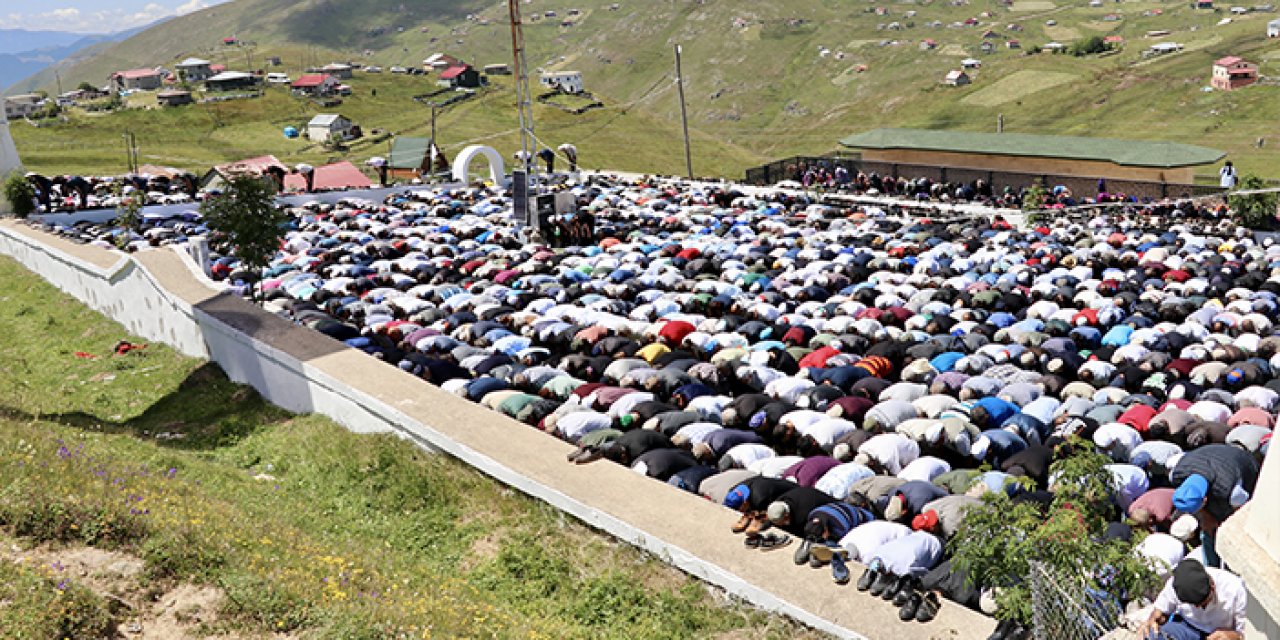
<point>1000,539</point>
<point>86,87</point>
<point>1035,196</point>
<point>128,215</point>
<point>246,222</point>
<point>1089,46</point>
<point>1256,210</point>
<point>20,193</point>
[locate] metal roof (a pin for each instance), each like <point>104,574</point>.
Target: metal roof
<point>1137,153</point>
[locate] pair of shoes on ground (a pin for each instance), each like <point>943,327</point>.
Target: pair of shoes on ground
<point>904,592</point>
<point>818,554</point>
<point>750,524</point>
<point>921,607</point>
<point>767,541</point>
<point>1010,630</point>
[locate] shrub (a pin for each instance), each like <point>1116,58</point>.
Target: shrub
<point>20,193</point>
<point>50,606</point>
<point>1000,539</point>
<point>1089,46</point>
<point>1257,210</point>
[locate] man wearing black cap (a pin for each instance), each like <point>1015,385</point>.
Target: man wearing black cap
<point>1198,603</point>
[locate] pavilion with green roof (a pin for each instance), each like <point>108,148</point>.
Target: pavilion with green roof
<point>1068,156</point>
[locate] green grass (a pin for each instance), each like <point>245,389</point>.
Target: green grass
<point>306,527</point>
<point>756,91</point>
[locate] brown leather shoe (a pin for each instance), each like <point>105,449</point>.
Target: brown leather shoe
<point>758,523</point>
<point>742,523</point>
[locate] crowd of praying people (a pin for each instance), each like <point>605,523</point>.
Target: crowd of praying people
<point>849,380</point>
<point>72,193</point>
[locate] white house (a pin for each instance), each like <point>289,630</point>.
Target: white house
<point>567,81</point>
<point>1273,29</point>
<point>326,125</point>
<point>21,106</point>
<point>195,70</point>
<point>957,78</point>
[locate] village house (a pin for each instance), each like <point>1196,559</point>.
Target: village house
<point>136,80</point>
<point>21,106</point>
<point>957,78</point>
<point>497,70</point>
<point>1232,72</point>
<point>326,126</point>
<point>413,158</point>
<point>970,63</point>
<point>231,81</point>
<point>194,70</point>
<point>566,81</point>
<point>173,98</point>
<point>463,76</point>
<point>315,84</point>
<point>338,70</point>
<point>440,62</point>
<point>1273,29</point>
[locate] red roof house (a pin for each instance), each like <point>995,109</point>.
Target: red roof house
<point>1233,72</point>
<point>463,75</point>
<point>331,177</point>
<point>318,84</point>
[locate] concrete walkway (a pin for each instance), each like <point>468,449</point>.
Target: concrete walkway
<point>683,529</point>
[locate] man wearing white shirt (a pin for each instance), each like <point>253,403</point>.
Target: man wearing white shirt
<point>1198,603</point>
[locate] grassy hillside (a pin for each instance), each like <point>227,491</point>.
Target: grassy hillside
<point>133,482</point>
<point>768,79</point>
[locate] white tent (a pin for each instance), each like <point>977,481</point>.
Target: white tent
<point>8,154</point>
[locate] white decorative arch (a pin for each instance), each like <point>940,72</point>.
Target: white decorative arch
<point>496,169</point>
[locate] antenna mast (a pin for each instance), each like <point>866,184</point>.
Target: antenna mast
<point>524,98</point>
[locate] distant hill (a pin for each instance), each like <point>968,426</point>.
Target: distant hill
<point>773,78</point>
<point>24,54</point>
<point>22,40</point>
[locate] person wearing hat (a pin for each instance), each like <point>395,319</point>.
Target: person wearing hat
<point>1212,482</point>
<point>1198,603</point>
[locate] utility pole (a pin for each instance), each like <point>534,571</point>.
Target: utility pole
<point>58,77</point>
<point>684,114</point>
<point>524,99</point>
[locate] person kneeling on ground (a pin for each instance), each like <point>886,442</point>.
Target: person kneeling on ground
<point>1198,603</point>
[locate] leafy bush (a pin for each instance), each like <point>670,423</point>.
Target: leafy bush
<point>1035,196</point>
<point>1089,46</point>
<point>1001,539</point>
<point>246,220</point>
<point>20,194</point>
<point>1256,211</point>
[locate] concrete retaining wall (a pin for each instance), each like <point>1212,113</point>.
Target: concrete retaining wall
<point>159,296</point>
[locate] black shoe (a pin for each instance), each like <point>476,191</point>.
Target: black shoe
<point>900,598</point>
<point>910,608</point>
<point>752,542</point>
<point>882,583</point>
<point>899,583</point>
<point>802,553</point>
<point>1019,632</point>
<point>1002,630</point>
<point>929,606</point>
<point>869,576</point>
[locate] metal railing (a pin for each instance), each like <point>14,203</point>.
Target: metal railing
<point>1065,606</point>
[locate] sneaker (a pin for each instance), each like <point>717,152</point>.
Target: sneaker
<point>839,570</point>
<point>802,553</point>
<point>741,524</point>
<point>883,582</point>
<point>910,608</point>
<point>814,562</point>
<point>868,577</point>
<point>929,606</point>
<point>751,542</point>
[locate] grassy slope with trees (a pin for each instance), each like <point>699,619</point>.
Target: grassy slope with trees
<point>301,527</point>
<point>757,87</point>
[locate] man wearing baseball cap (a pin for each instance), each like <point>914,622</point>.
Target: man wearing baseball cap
<point>1212,482</point>
<point>1198,603</point>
